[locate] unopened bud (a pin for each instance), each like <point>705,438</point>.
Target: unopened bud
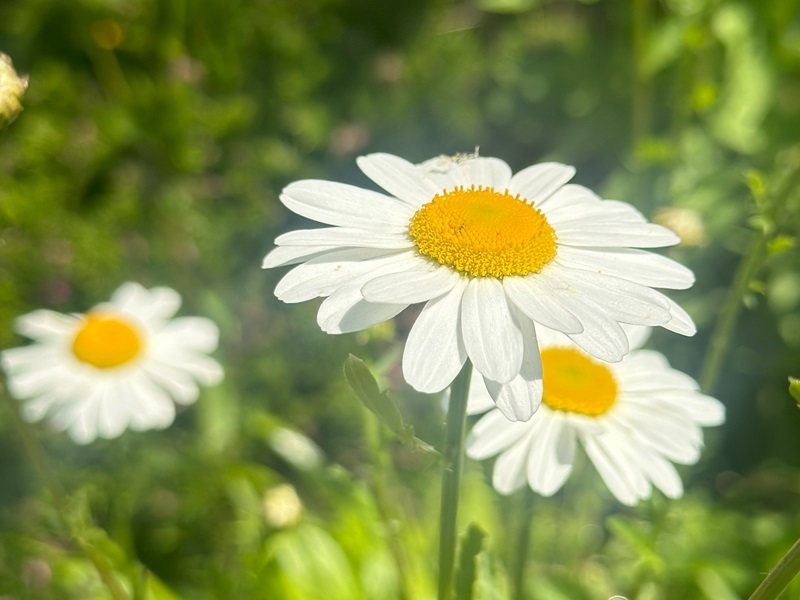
<point>12,88</point>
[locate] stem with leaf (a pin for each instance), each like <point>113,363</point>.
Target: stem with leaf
<point>453,454</point>
<point>752,262</point>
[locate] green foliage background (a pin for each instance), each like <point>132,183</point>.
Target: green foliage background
<point>154,143</point>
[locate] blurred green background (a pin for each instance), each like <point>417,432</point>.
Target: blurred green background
<point>155,140</point>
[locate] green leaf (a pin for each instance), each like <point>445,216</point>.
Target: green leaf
<point>471,545</point>
<point>758,186</point>
<point>794,389</point>
<point>780,244</point>
<point>365,386</point>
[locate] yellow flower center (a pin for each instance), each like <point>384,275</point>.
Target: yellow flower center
<point>575,383</point>
<point>484,233</point>
<point>106,340</point>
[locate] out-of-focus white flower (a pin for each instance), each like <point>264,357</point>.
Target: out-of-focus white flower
<point>12,88</point>
<point>490,253</point>
<point>124,364</point>
<point>632,418</point>
<point>282,506</point>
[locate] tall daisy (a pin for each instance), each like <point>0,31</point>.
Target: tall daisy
<point>489,253</point>
<point>123,364</point>
<point>633,419</point>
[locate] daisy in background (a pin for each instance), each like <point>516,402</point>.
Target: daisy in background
<point>490,254</point>
<point>633,418</point>
<point>122,365</point>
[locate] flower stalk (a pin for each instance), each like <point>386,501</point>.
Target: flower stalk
<point>453,454</point>
<point>777,579</point>
<point>751,263</point>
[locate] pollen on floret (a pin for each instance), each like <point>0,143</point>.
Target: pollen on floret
<point>575,383</point>
<point>484,233</point>
<point>106,340</point>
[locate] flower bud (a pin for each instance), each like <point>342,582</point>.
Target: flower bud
<point>12,88</point>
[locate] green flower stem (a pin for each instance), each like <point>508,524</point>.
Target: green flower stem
<point>780,576</point>
<point>641,97</point>
<point>521,545</point>
<point>76,531</point>
<point>752,262</point>
<point>723,331</point>
<point>453,454</point>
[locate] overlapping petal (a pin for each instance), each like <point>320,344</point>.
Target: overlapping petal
<point>599,281</point>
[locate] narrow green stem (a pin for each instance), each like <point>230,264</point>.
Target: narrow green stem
<point>780,576</point>
<point>521,546</point>
<point>453,454</point>
<point>723,330</point>
<point>640,109</point>
<point>39,461</point>
<point>751,263</point>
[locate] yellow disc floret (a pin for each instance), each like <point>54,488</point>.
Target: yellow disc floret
<point>484,233</point>
<point>575,383</point>
<point>106,340</point>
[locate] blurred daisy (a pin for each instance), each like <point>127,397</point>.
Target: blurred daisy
<point>632,418</point>
<point>123,364</point>
<point>490,254</point>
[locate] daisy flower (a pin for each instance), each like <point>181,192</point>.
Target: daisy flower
<point>489,253</point>
<point>123,364</point>
<point>633,418</point>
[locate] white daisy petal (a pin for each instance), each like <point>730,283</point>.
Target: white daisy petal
<point>282,256</point>
<point>605,211</point>
<point>189,333</point>
<point>492,434</point>
<point>345,205</point>
<point>411,287</point>
<point>637,336</point>
<point>602,337</point>
<point>492,339</point>
<point>509,469</point>
<point>520,398</point>
<point>321,276</point>
<point>635,235</point>
<point>449,172</point>
<point>680,322</point>
<point>537,183</point>
<point>43,325</point>
<point>622,300</point>
<point>156,409</point>
<point>346,311</point>
<point>79,382</point>
<point>570,198</point>
<point>551,457</point>
<point>621,477</point>
<point>398,177</point>
<point>703,410</point>
<point>639,266</point>
<point>479,400</point>
<point>434,352</point>
<point>533,297</point>
<point>345,237</point>
<point>159,303</point>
